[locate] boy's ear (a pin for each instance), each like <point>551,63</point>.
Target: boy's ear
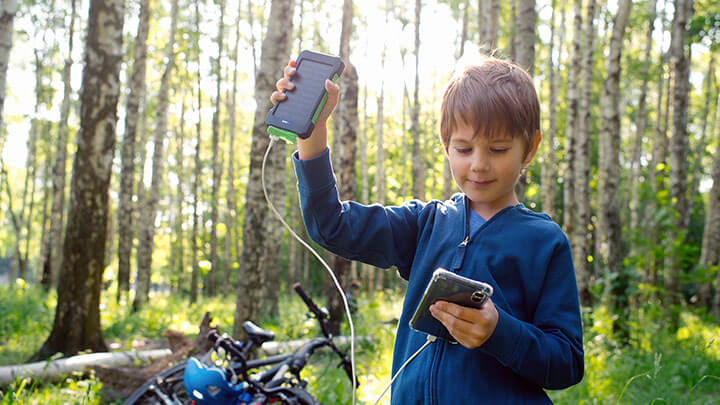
<point>533,148</point>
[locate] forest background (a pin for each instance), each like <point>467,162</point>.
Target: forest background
<point>132,140</point>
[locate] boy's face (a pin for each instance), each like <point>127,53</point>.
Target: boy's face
<point>486,168</point>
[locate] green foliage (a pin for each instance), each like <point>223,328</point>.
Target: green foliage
<point>660,365</point>
<point>69,390</point>
<point>26,314</point>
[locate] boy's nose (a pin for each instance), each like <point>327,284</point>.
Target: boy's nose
<point>480,163</point>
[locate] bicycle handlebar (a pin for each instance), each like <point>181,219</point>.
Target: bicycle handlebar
<point>230,345</point>
<point>321,315</point>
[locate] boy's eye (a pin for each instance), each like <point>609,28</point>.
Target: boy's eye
<point>498,150</point>
<point>463,150</point>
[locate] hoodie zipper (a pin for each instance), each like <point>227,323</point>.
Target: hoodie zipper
<point>460,251</point>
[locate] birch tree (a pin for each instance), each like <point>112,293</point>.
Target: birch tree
<point>179,215</point>
<point>127,173</point>
<point>582,235</point>
<point>525,58</point>
<point>488,23</point>
<point>198,166</point>
<point>77,315</point>
<point>262,234</point>
<point>448,184</point>
<point>7,19</point>
<point>346,132</point>
<point>711,235</point>
<point>610,229</point>
<point>573,93</point>
<point>418,163</point>
<point>147,225</point>
<point>700,147</point>
<point>548,162</point>
<point>680,71</point>
<point>641,124</point>
<point>53,254</point>
<point>216,167</point>
<point>231,221</point>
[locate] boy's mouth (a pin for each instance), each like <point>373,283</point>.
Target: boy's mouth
<point>481,183</point>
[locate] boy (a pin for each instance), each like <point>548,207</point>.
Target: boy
<point>528,336</point>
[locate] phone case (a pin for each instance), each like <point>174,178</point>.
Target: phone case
<point>296,115</point>
<point>451,287</point>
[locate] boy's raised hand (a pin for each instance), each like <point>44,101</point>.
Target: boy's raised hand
<point>317,142</point>
<point>471,327</point>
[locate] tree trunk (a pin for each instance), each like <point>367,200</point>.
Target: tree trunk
<point>512,51</point>
<point>346,134</point>
<point>659,153</point>
<point>17,227</point>
<point>30,169</point>
<point>53,255</point>
<point>262,234</point>
<point>179,216</point>
<point>213,273</point>
<point>582,160</point>
<point>610,229</point>
<point>418,161</point>
<point>44,237</point>
<point>680,73</point>
<point>548,163</point>
<point>77,315</point>
<point>700,148</point>
<point>127,174</point>
<point>525,58</point>
<point>656,170</point>
<point>252,36</point>
<point>609,232</point>
<point>380,125</point>
<point>147,224</point>
<point>448,184</point>
<point>7,18</point>
<point>198,163</point>
<point>488,22</point>
<point>711,233</point>
<point>642,117</point>
<point>231,222</point>
<point>569,197</point>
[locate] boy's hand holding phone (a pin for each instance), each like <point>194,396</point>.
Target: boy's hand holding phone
<point>317,142</point>
<point>471,327</point>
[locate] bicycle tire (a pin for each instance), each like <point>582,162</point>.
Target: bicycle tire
<point>304,397</point>
<point>150,391</point>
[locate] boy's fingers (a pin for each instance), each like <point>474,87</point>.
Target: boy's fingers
<point>457,311</point>
<point>284,84</point>
<point>277,96</point>
<point>333,91</point>
<point>289,71</point>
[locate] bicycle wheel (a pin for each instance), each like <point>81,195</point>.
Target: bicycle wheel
<point>165,388</point>
<point>303,397</point>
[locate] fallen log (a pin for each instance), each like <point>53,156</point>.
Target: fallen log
<point>52,369</point>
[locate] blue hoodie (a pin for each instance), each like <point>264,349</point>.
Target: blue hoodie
<point>524,256</point>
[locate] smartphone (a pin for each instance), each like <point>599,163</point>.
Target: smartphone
<point>296,115</point>
<point>447,286</point>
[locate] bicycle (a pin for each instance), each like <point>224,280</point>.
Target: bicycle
<point>193,382</point>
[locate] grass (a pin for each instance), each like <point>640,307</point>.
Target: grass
<point>659,365</point>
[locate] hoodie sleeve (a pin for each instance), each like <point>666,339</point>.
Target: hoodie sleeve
<point>374,234</point>
<point>549,350</point>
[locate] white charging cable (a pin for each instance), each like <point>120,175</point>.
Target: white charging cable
<point>274,139</point>
<point>430,339</point>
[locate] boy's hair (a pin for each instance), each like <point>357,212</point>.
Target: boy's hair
<point>494,97</point>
